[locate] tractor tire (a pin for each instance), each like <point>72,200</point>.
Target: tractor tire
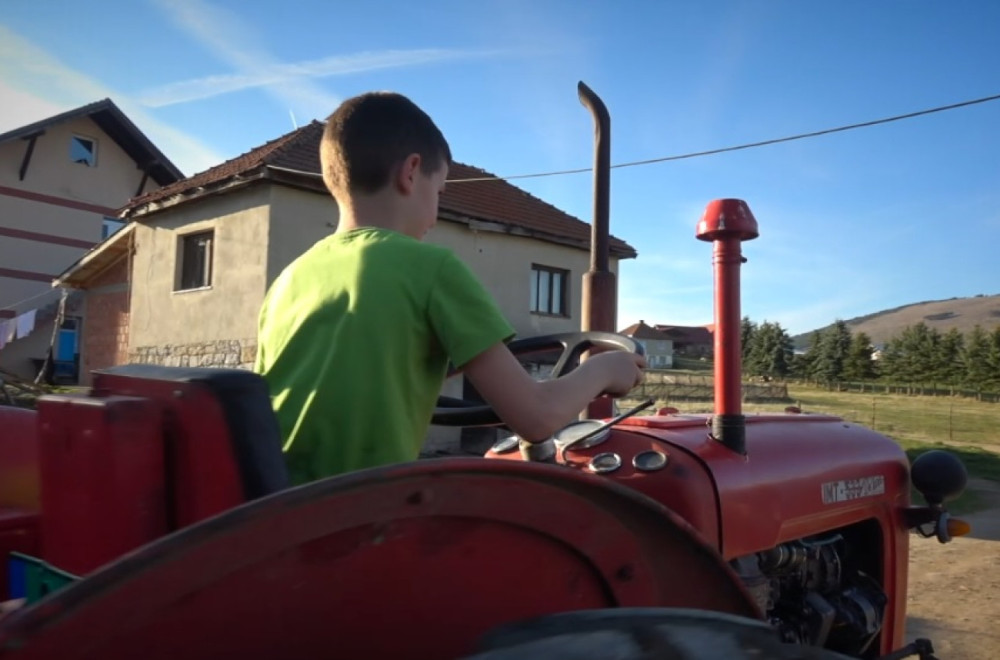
<point>642,634</point>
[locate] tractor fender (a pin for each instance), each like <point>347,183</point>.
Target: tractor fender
<point>417,560</point>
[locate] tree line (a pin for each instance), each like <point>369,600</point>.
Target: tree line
<point>918,355</point>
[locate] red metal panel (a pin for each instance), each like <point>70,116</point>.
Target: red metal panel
<point>19,481</point>
<point>684,485</point>
<point>414,561</point>
<point>102,472</point>
<point>776,492</point>
<point>203,475</point>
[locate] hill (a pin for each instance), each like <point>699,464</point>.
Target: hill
<point>942,315</point>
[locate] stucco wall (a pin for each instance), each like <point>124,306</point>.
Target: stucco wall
<point>503,263</point>
<point>298,219</point>
<point>34,256</point>
<point>111,182</point>
<point>65,186</point>
<point>659,352</point>
<point>170,324</point>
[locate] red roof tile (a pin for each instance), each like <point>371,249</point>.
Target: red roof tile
<point>298,150</point>
<point>642,331</point>
<point>495,200</point>
<point>699,334</point>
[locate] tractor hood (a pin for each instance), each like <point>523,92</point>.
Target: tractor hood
<point>798,470</point>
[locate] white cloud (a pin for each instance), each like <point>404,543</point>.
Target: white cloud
<point>234,42</point>
<point>292,76</point>
<point>237,44</point>
<point>20,108</point>
<point>36,85</point>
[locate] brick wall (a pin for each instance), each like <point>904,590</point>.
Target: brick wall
<point>105,335</point>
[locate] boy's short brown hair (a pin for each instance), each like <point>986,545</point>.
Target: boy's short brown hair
<point>367,137</point>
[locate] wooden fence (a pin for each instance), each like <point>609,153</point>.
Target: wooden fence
<point>908,389</point>
<point>671,386</point>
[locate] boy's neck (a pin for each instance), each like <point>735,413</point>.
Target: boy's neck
<point>376,211</point>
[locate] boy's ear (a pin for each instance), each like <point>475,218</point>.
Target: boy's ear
<point>407,174</point>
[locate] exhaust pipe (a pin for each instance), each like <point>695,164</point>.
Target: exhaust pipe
<point>726,223</point>
<point>599,303</point>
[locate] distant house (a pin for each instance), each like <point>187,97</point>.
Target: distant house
<point>61,181</point>
<point>658,345</point>
<point>690,341</point>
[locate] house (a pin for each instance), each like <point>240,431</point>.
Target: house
<point>658,345</point>
<point>61,181</point>
<point>200,254</point>
<point>691,341</point>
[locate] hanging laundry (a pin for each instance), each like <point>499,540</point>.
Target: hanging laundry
<point>25,324</point>
<point>10,330</point>
<point>3,334</point>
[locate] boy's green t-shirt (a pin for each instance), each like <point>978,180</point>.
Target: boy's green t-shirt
<point>354,341</point>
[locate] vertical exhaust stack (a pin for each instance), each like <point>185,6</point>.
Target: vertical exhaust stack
<point>599,303</point>
<point>727,223</point>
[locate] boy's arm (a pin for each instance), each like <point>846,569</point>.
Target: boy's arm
<point>536,409</point>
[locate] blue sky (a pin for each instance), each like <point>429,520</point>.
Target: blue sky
<point>850,223</point>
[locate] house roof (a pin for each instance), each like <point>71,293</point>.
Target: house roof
<point>119,128</point>
<point>294,158</point>
<point>699,334</point>
<point>642,331</point>
<point>97,259</point>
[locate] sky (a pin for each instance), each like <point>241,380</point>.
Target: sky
<point>851,222</point>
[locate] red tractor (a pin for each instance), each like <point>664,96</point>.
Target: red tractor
<point>152,518</point>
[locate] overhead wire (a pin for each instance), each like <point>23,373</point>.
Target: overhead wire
<point>749,145</point>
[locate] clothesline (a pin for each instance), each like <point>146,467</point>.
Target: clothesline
<point>18,327</point>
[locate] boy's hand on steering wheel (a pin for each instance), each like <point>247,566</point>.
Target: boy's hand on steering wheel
<point>621,371</point>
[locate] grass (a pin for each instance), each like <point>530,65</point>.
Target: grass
<point>968,428</point>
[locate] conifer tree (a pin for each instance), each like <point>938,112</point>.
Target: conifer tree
<point>859,364</point>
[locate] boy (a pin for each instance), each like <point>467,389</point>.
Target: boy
<point>355,335</point>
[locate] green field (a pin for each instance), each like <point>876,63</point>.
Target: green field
<point>969,428</point>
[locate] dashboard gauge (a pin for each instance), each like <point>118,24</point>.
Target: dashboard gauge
<point>649,461</point>
<point>505,445</point>
<point>604,463</point>
<point>577,430</point>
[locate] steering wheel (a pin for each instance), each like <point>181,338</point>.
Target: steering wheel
<point>451,411</point>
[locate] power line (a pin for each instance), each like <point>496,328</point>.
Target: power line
<point>749,145</point>
<point>30,298</point>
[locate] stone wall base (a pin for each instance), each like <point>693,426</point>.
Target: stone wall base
<point>231,353</point>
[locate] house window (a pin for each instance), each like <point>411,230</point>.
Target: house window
<point>548,290</point>
<point>83,150</point>
<point>109,226</point>
<point>196,260</point>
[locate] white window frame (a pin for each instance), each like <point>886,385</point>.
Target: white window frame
<point>185,252</point>
<point>544,291</point>
<point>92,161</point>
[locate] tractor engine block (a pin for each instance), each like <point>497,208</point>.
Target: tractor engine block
<point>812,596</point>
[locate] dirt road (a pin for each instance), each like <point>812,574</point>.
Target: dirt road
<point>955,588</point>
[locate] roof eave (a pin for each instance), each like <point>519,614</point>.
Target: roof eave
<point>97,260</point>
<point>229,184</point>
<point>517,230</point>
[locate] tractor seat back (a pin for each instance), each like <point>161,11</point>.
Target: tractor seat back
<point>221,433</point>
